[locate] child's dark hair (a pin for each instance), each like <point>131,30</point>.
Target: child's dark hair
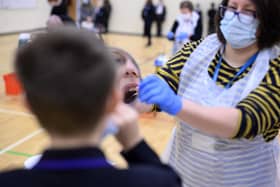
<point>186,4</point>
<point>67,75</point>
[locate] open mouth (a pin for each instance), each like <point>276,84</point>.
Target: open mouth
<point>130,93</point>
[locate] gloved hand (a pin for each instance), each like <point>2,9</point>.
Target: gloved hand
<point>154,90</point>
<point>170,35</point>
<point>182,36</point>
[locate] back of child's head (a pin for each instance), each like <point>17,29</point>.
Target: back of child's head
<point>67,75</point>
<point>186,4</point>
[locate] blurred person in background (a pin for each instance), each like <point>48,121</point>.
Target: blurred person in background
<point>211,18</point>
<point>160,14</point>
<point>86,13</point>
<point>184,27</point>
<point>60,9</point>
<point>108,9</point>
<point>100,16</point>
<point>148,16</point>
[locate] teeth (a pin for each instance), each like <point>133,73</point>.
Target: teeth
<point>132,89</point>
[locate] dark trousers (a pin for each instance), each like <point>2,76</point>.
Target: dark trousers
<point>147,31</point>
<point>159,22</point>
<point>211,28</point>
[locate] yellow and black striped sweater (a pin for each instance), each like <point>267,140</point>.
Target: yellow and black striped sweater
<point>260,110</point>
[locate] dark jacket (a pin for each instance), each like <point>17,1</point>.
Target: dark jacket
<point>161,17</point>
<point>87,167</point>
<point>108,10</point>
<point>148,13</point>
<point>62,12</point>
<point>100,16</point>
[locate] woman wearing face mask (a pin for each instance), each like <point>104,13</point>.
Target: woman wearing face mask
<point>224,91</point>
<point>184,27</point>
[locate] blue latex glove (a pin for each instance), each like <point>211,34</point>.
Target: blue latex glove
<point>170,35</point>
<point>154,90</point>
<point>182,36</point>
<point>160,60</point>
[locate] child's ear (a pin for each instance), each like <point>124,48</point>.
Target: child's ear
<point>25,103</point>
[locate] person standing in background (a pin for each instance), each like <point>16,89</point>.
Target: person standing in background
<point>148,14</point>
<point>108,9</point>
<point>184,27</point>
<point>60,9</point>
<point>86,15</point>
<point>199,27</point>
<point>160,13</point>
<point>100,16</point>
<point>86,10</point>
<point>211,18</point>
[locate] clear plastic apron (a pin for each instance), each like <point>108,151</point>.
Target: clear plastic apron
<point>205,161</point>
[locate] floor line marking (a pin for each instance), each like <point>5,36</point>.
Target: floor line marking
<point>15,153</point>
<point>6,111</point>
<point>26,138</point>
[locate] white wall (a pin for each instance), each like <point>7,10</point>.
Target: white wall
<point>14,20</point>
<point>126,15</point>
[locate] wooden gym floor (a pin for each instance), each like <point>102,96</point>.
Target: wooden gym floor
<point>20,135</point>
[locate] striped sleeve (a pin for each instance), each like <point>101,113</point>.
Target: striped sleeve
<point>171,71</point>
<point>260,110</point>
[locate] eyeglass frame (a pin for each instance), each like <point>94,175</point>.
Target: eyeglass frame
<point>223,9</point>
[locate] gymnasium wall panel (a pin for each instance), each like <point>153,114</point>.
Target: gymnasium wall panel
<point>126,15</point>
<point>20,19</point>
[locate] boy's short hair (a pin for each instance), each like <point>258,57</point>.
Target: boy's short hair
<point>67,75</point>
<point>269,26</point>
<point>186,4</point>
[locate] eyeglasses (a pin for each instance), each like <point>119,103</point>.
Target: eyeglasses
<point>246,17</point>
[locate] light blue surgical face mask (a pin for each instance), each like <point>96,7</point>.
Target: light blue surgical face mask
<point>239,35</point>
